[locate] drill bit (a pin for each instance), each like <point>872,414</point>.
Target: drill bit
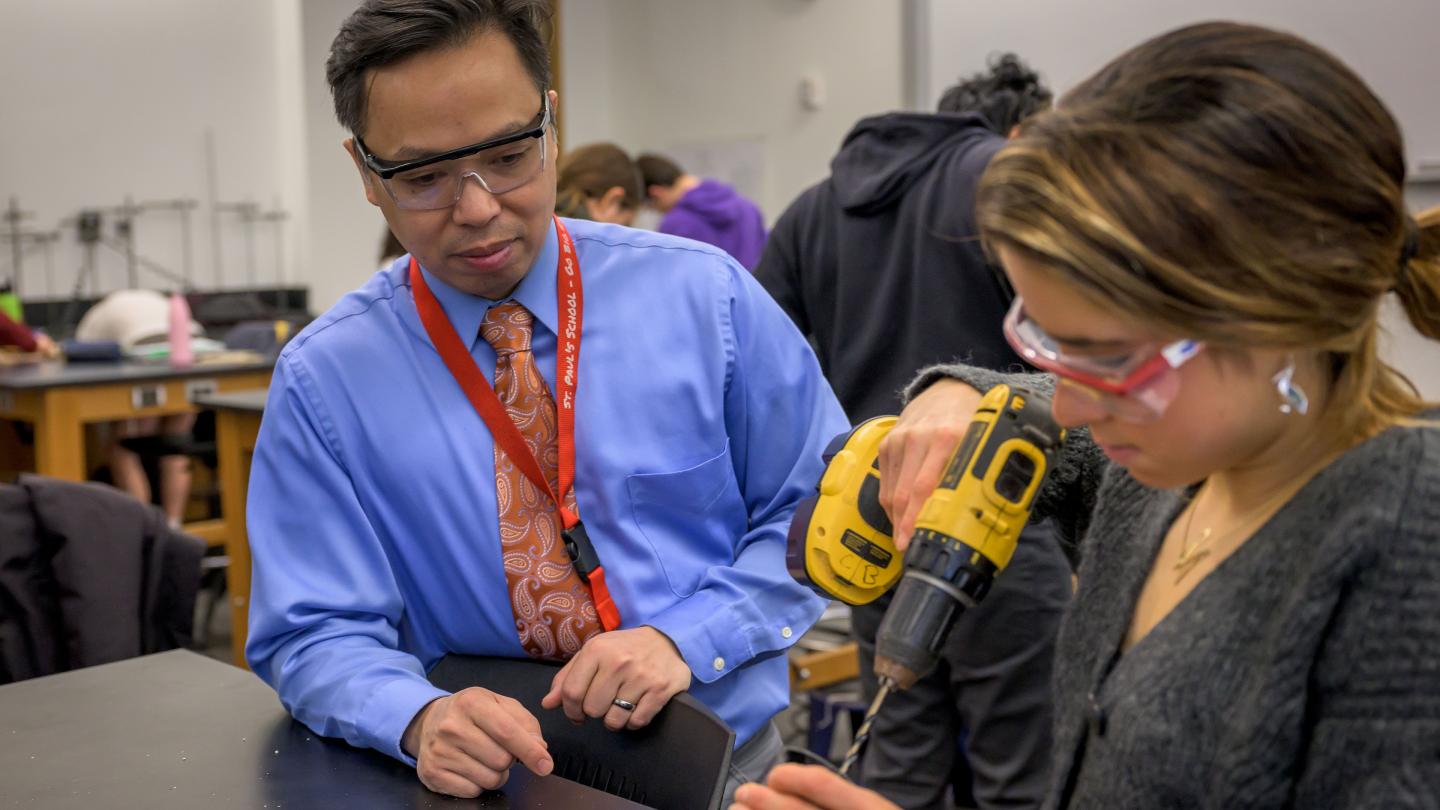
<point>863,733</point>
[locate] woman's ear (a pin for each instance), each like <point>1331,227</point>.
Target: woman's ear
<point>610,206</point>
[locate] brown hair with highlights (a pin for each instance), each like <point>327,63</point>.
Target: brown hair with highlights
<point>1235,185</point>
<point>587,172</point>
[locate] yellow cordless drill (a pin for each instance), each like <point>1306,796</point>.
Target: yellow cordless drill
<point>840,541</point>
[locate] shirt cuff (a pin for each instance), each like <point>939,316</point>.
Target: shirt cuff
<point>389,711</point>
<point>716,639</point>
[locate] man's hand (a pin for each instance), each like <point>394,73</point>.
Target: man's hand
<point>913,455</point>
<point>465,743</point>
<point>640,666</point>
<point>807,787</point>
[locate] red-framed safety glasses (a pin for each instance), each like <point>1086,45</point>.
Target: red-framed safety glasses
<point>1136,386</point>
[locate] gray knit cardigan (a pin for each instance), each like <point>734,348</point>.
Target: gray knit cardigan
<point>1303,672</point>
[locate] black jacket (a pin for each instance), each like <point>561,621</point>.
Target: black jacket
<point>88,575</point>
<point>880,264</point>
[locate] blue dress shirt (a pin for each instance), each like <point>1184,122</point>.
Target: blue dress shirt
<point>701,414</point>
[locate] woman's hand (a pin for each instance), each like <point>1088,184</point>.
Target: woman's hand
<point>807,787</point>
<point>913,456</point>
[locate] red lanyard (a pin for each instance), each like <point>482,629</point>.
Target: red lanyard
<point>570,305</point>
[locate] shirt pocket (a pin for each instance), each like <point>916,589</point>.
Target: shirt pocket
<point>692,518</point>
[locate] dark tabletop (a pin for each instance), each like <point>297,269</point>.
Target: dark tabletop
<point>248,401</point>
<point>57,374</point>
<point>178,730</point>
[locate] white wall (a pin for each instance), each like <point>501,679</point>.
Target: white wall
<point>345,231</point>
<point>590,30</point>
<point>104,99</point>
<point>684,75</point>
<point>126,111</point>
<point>1390,43</point>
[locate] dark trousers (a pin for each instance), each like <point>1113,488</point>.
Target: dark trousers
<point>992,684</point>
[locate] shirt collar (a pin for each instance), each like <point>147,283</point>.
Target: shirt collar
<point>536,292</point>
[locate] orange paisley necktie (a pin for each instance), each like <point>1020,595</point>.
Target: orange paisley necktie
<point>554,614</point>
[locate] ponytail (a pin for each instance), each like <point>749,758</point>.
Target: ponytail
<point>1418,283</point>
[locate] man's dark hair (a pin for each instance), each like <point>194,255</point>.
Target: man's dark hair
<point>1006,94</point>
<point>657,170</point>
<point>383,32</point>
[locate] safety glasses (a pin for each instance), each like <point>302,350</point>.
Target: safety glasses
<point>1134,386</point>
<point>499,165</point>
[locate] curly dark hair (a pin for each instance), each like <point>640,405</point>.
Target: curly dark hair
<point>1006,94</point>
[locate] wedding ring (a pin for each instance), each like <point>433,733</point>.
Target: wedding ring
<point>624,704</point>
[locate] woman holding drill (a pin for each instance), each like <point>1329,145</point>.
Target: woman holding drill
<point>1201,237</point>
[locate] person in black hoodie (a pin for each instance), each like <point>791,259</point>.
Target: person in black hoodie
<point>881,267</point>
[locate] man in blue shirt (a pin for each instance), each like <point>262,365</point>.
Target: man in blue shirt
<point>389,528</point>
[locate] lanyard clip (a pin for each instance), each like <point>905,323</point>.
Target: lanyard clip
<point>587,565</point>
<point>581,550</point>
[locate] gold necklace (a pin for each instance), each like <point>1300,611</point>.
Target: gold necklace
<point>1192,555</point>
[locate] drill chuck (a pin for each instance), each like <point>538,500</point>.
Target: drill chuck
<point>942,578</point>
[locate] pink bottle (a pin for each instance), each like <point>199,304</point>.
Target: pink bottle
<point>180,351</point>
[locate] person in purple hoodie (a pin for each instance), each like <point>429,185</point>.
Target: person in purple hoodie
<point>702,209</point>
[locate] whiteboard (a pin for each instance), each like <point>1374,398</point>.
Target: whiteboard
<point>1393,44</point>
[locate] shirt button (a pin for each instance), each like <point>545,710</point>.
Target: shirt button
<point>786,632</point>
<point>719,664</point>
